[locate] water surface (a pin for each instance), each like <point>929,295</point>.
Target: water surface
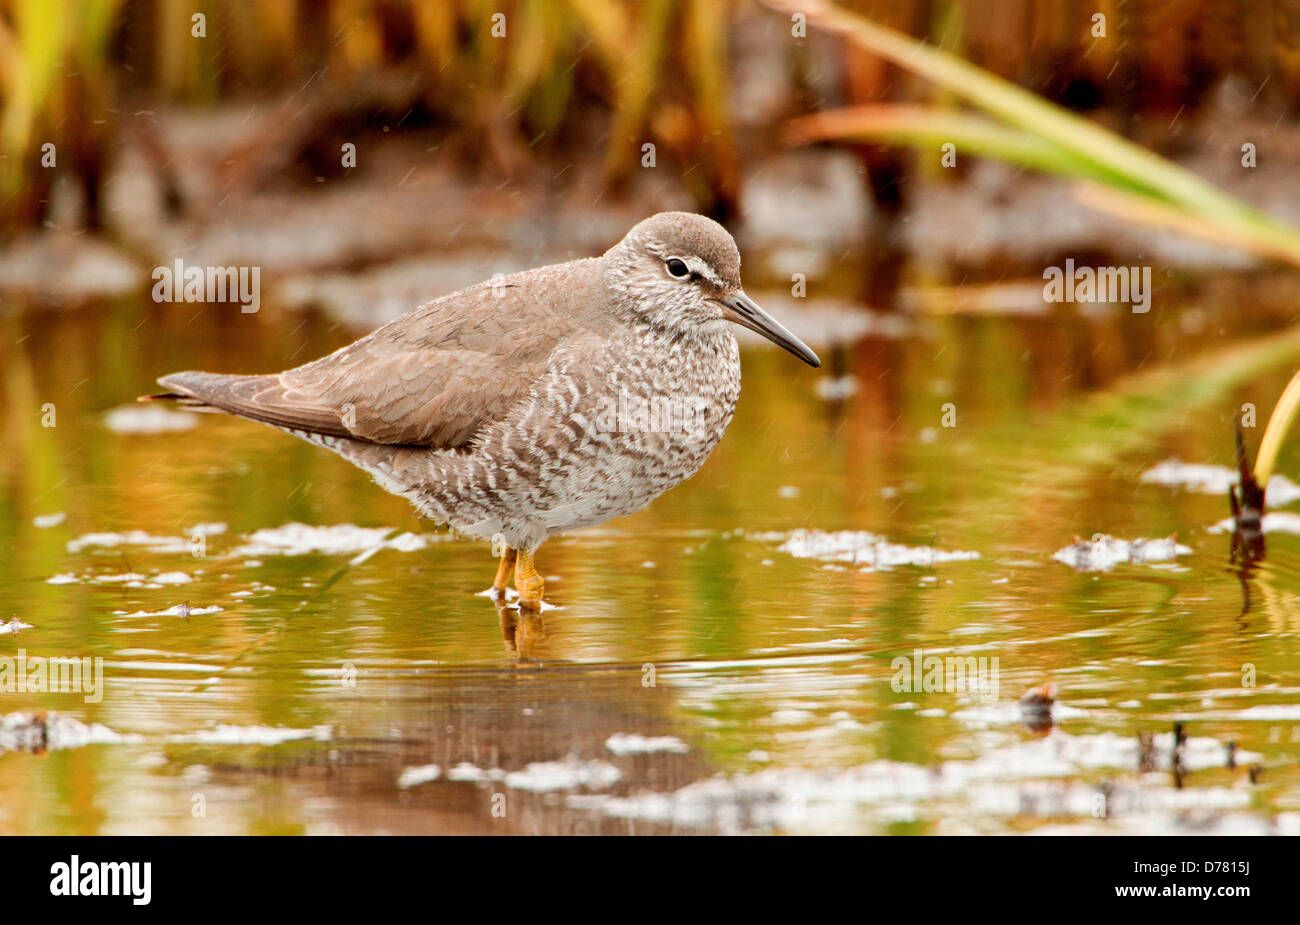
<point>695,676</point>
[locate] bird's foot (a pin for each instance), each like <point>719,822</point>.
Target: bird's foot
<point>528,583</point>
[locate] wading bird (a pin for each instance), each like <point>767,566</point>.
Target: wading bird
<point>533,404</point>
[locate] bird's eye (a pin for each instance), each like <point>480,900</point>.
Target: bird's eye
<point>677,267</point>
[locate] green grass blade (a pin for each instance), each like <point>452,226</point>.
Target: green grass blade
<point>930,128</point>
<point>1141,168</point>
<point>1279,423</point>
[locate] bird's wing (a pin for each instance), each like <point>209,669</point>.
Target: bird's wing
<point>433,377</point>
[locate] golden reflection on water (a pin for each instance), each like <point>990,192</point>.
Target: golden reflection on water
<point>684,624</point>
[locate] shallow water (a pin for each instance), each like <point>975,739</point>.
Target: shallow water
<point>707,667</point>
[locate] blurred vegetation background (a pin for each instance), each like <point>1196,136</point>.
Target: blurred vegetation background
<point>576,78</point>
<point>478,154</point>
<point>71,70</point>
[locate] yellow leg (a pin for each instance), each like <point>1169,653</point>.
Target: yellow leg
<point>503,571</point>
<point>528,583</point>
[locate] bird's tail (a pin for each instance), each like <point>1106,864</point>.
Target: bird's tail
<point>199,391</point>
<point>259,398</point>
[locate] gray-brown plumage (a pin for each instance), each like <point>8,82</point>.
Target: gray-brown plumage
<point>545,401</point>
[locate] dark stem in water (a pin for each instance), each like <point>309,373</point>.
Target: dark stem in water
<point>1247,501</point>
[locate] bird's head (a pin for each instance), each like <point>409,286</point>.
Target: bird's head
<point>681,271</point>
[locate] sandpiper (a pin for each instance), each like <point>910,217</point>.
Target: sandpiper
<point>537,403</point>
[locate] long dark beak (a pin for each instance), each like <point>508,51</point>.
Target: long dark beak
<point>741,309</point>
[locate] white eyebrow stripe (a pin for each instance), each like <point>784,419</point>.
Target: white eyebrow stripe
<point>699,266</point>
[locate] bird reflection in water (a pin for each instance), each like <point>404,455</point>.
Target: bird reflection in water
<point>522,630</point>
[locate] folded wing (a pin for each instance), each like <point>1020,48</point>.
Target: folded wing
<point>433,377</point>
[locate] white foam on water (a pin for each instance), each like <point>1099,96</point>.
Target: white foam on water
<point>224,734</point>
<point>465,771</point>
<point>420,774</point>
<point>1215,480</point>
<point>543,776</point>
<point>296,539</point>
<point>858,547</point>
<point>1264,712</point>
<point>1034,777</point>
<point>414,542</point>
<point>45,521</point>
<point>180,610</point>
<point>630,743</point>
<point>130,579</point>
<point>568,774</point>
<point>13,626</point>
<point>149,541</point>
<point>1103,553</point>
<point>126,579</point>
<point>1271,522</point>
<point>1012,712</point>
<point>54,731</point>
<point>148,419</point>
<point>789,716</point>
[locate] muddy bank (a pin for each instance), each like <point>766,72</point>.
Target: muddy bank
<point>412,220</point>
